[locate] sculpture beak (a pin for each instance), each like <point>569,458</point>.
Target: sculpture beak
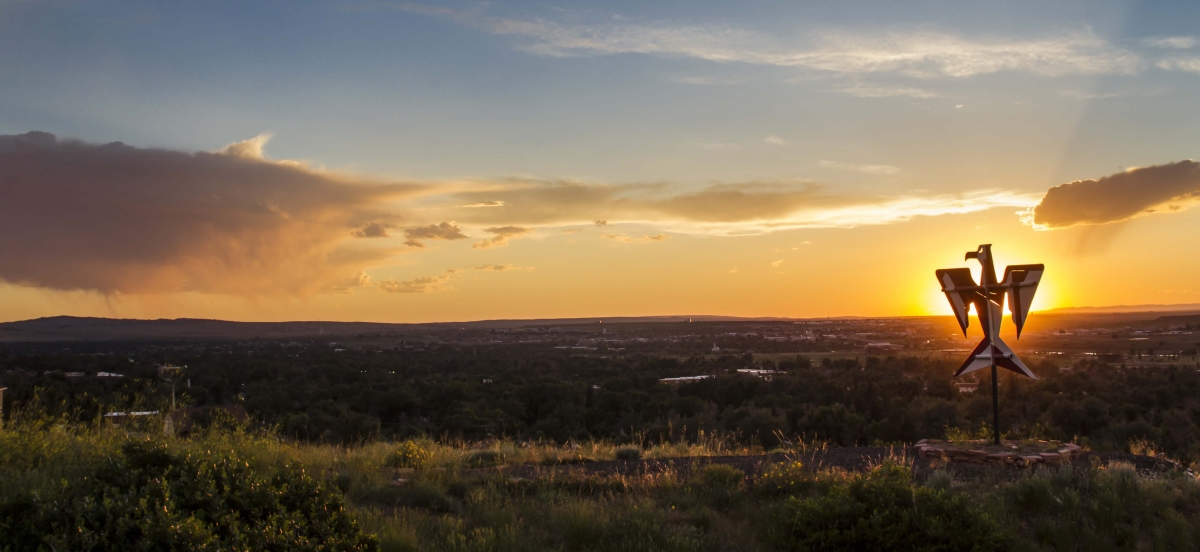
<point>972,255</point>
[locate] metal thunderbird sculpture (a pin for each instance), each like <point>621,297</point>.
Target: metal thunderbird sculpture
<point>1019,283</point>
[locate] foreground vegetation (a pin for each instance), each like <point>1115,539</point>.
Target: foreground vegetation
<point>72,486</point>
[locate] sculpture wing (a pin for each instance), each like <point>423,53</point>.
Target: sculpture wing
<point>1021,283</point>
<point>960,289</point>
<point>997,351</point>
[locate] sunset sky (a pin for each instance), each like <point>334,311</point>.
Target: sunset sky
<point>411,162</point>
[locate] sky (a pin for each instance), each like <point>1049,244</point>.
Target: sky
<point>414,162</point>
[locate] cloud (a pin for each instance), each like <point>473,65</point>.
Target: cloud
<point>887,91</point>
<point>1185,64</point>
<point>484,204</point>
<point>721,209</point>
<point>1120,196</point>
<point>346,285</point>
<point>251,148</point>
<point>443,231</point>
<point>868,169</point>
<point>918,54</point>
<point>425,284</point>
<point>501,236</point>
<point>440,282</point>
<point>1171,42</point>
<point>115,218</point>
<point>373,230</point>
<point>774,141</point>
<point>777,264</point>
<point>601,222</point>
<point>625,238</point>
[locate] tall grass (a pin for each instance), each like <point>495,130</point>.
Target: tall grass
<point>456,495</point>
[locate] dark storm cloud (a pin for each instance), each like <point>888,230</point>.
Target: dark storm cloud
<point>120,219</point>
<point>1120,196</point>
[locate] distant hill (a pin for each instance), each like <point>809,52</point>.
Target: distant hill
<point>72,328</point>
<point>1190,307</point>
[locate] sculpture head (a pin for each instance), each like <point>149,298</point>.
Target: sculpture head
<point>982,254</point>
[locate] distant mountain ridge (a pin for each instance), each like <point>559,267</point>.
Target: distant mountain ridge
<point>1188,307</point>
<point>74,328</point>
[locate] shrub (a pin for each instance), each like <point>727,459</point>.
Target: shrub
<point>785,478</point>
<point>629,453</point>
<point>718,484</point>
<point>409,454</point>
<point>721,476</point>
<point>149,498</point>
<point>940,480</point>
<point>883,510</point>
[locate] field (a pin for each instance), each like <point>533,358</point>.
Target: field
<point>70,486</point>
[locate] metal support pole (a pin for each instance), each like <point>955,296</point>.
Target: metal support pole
<point>995,402</point>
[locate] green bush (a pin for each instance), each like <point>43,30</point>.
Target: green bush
<point>1109,508</point>
<point>883,510</point>
<point>629,453</point>
<point>718,484</point>
<point>146,497</point>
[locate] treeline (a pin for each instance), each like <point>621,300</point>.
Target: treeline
<point>323,393</point>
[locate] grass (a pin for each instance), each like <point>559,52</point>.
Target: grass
<point>430,494</point>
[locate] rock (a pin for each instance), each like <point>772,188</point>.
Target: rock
<point>1029,460</point>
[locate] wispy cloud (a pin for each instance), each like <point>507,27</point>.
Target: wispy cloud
<point>721,209</point>
<point>862,90</point>
<point>917,54</point>
<point>484,204</point>
<point>625,238</point>
<point>1171,42</point>
<point>862,168</point>
<point>425,284</point>
<point>1185,64</point>
<point>500,236</point>
<point>360,279</point>
<point>439,282</point>
<point>774,141</point>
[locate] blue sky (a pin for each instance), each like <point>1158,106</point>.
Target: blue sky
<point>401,90</point>
<point>893,109</point>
